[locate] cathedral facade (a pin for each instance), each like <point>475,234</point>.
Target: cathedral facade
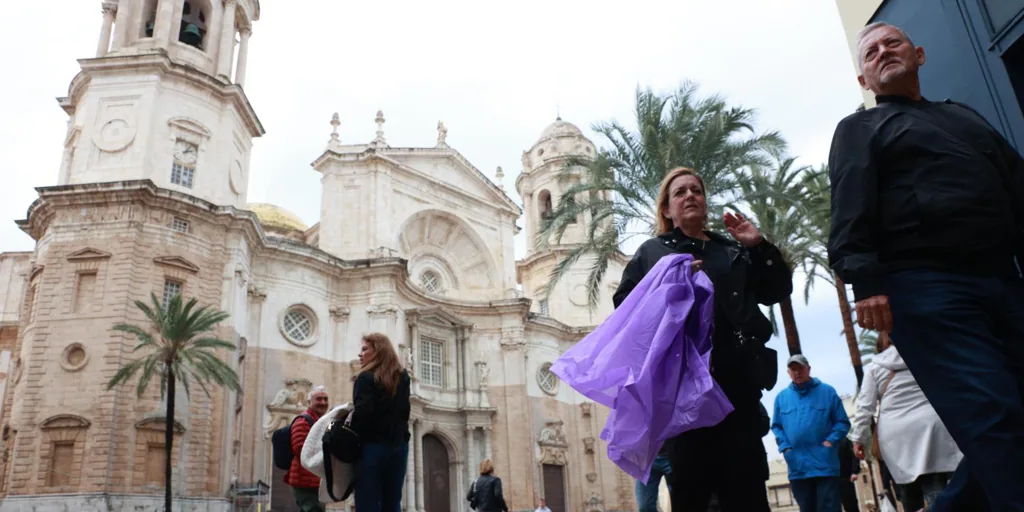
<point>414,242</point>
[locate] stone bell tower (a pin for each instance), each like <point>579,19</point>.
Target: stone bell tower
<point>542,188</point>
<point>159,100</point>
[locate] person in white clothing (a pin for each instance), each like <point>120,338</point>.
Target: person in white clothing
<point>913,442</point>
<point>543,506</point>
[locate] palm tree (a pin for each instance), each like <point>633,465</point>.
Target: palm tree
<point>178,352</point>
<point>816,204</point>
<point>617,189</point>
<point>768,195</point>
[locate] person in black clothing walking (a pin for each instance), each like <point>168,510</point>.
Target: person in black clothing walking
<point>927,223</point>
<point>747,270</point>
<point>849,471</point>
<point>485,494</point>
<point>381,418</point>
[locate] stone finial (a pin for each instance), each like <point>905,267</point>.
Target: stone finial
<point>499,175</point>
<point>335,121</point>
<point>379,140</point>
<point>442,134</point>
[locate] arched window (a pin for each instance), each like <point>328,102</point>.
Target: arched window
<point>431,282</point>
<point>193,23</point>
<point>544,203</point>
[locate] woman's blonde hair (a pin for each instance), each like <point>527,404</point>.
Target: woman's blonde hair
<point>385,365</point>
<point>665,224</point>
<point>486,467</point>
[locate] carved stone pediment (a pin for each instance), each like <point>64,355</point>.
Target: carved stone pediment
<point>88,253</point>
<point>65,421</point>
<point>288,403</point>
<point>177,262</point>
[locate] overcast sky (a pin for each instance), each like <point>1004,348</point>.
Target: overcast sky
<point>495,73</point>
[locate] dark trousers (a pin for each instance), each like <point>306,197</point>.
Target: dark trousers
<point>308,499</point>
<point>963,339</point>
<point>379,477</point>
<point>923,491</point>
<point>727,458</point>
<point>820,494</point>
<point>848,492</point>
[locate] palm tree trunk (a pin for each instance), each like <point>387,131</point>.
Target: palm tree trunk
<point>168,439</point>
<point>789,325</point>
<point>851,336</point>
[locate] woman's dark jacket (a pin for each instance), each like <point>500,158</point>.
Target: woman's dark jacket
<point>757,275</point>
<point>485,495</point>
<point>378,417</point>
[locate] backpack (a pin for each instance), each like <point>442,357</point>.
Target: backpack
<point>281,443</point>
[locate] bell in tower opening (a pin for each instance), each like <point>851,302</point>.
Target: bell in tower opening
<point>193,24</point>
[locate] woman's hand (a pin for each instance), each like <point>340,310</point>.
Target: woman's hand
<point>858,451</point>
<point>742,230</point>
<point>696,265</point>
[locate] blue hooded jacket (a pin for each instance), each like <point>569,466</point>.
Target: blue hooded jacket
<point>805,417</point>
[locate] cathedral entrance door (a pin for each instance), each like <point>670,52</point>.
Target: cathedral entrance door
<point>437,472</point>
<point>554,487</point>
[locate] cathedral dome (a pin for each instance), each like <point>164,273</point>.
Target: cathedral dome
<point>277,219</point>
<point>560,128</point>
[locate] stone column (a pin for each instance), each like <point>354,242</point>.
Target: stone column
<point>162,26</point>
<point>418,444</point>
<point>466,368</point>
<point>243,54</point>
<point>487,443</point>
<point>471,462</point>
<point>109,11</point>
<point>227,41</point>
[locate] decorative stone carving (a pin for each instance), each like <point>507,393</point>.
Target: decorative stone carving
<point>177,262</point>
<point>591,477</point>
<point>257,294</point>
<point>483,372</point>
<point>553,444</point>
<point>442,134</point>
<point>287,403</point>
<point>585,409</point>
<point>588,444</point>
<point>88,253</point>
<point>339,313</point>
<point>552,434</point>
<point>381,309</point>
<point>594,503</point>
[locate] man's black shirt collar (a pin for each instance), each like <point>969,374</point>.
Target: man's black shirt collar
<point>892,98</point>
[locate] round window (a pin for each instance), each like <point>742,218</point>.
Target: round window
<point>298,324</point>
<point>547,380</point>
<point>431,282</point>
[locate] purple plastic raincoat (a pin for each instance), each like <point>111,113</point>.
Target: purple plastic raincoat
<point>649,362</point>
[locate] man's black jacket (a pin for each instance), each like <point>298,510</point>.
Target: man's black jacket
<point>919,184</point>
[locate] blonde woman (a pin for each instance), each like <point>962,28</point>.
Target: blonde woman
<point>746,270</point>
<point>485,494</point>
<point>381,418</point>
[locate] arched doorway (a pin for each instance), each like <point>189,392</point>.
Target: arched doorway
<point>437,486</point>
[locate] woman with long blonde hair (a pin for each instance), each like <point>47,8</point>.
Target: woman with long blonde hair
<point>485,493</point>
<point>381,418</point>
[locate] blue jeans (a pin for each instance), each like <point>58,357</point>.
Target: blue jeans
<point>963,339</point>
<point>819,494</point>
<point>647,495</point>
<point>380,474</point>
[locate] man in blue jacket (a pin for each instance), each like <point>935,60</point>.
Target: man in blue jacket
<point>809,421</point>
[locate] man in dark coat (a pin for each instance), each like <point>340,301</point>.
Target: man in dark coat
<point>849,471</point>
<point>927,222</point>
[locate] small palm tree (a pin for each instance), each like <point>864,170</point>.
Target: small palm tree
<point>768,193</point>
<point>178,352</point>
<point>617,190</point>
<point>816,204</point>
